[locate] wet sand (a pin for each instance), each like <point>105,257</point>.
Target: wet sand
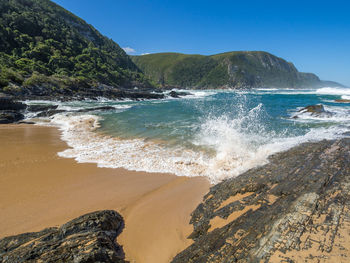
<point>38,189</point>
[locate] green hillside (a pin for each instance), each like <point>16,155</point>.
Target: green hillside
<point>241,69</point>
<point>42,44</point>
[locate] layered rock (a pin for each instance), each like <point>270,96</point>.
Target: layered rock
<point>294,209</point>
<point>89,238</point>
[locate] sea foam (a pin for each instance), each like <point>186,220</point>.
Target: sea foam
<point>236,147</point>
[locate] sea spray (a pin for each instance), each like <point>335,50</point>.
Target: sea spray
<point>219,135</point>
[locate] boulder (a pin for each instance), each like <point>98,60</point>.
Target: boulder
<point>89,238</point>
<point>314,110</point>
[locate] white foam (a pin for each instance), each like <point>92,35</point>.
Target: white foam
<point>237,145</point>
<point>197,94</point>
<point>333,91</point>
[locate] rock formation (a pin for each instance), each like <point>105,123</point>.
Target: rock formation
<point>294,209</point>
<point>89,238</point>
<point>10,110</point>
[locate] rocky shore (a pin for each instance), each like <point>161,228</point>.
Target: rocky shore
<point>89,238</point>
<point>12,110</point>
<point>294,209</point>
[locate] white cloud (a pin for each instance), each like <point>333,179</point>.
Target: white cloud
<point>145,54</point>
<point>129,50</point>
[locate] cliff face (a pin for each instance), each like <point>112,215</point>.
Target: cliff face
<point>250,69</point>
<point>294,209</point>
<point>89,238</point>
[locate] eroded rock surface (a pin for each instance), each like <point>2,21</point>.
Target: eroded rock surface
<point>294,209</point>
<point>89,238</point>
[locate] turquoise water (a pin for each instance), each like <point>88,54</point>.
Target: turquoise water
<point>217,134</point>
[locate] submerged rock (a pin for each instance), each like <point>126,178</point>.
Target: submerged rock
<point>343,101</point>
<point>294,209</point>
<point>89,238</point>
<point>49,113</point>
<point>97,109</point>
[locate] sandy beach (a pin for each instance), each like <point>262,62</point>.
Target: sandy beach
<point>38,189</point>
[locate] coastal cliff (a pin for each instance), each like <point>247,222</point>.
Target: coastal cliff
<point>89,238</point>
<point>294,209</point>
<point>238,69</point>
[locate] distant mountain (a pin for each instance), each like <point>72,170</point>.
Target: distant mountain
<point>241,69</point>
<point>44,46</point>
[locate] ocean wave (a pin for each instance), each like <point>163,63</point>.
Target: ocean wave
<point>239,144</point>
<point>333,91</point>
<point>196,94</point>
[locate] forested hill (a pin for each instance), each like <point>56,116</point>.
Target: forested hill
<point>44,45</point>
<point>241,69</point>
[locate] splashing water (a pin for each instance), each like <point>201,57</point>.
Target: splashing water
<point>214,134</point>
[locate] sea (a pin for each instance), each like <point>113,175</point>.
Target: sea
<point>218,134</point>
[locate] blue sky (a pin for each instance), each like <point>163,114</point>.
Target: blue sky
<point>314,35</point>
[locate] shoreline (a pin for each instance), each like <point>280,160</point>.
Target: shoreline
<point>39,189</point>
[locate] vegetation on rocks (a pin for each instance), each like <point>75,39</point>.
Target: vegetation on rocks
<point>42,44</point>
<point>241,69</point>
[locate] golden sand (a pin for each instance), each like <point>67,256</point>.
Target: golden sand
<point>38,189</point>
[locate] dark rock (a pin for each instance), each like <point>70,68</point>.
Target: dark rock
<point>26,122</point>
<point>315,110</point>
<point>49,113</point>
<point>37,108</point>
<point>294,209</point>
<point>96,108</point>
<point>178,94</point>
<point>92,93</point>
<point>89,238</point>
<point>9,116</point>
<point>7,103</point>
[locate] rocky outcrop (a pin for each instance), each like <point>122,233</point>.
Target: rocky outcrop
<point>10,110</point>
<point>315,111</point>
<point>102,91</point>
<point>89,238</point>
<point>39,107</point>
<point>294,209</point>
<point>178,94</point>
